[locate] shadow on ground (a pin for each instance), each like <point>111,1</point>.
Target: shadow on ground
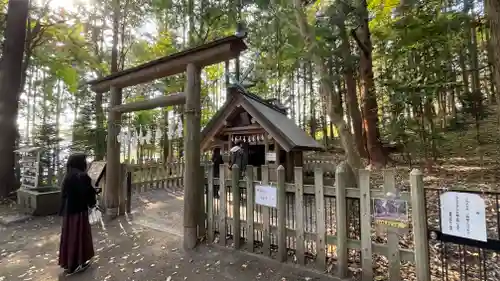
<point>145,247</point>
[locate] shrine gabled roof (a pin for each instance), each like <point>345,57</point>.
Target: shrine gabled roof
<point>272,119</point>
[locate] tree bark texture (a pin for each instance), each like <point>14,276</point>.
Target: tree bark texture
<point>351,96</point>
<point>10,88</point>
<point>369,100</point>
<point>326,89</point>
<point>493,13</point>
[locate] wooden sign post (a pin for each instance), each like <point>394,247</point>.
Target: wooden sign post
<point>391,213</point>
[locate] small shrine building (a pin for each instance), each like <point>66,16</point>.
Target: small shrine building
<point>267,135</point>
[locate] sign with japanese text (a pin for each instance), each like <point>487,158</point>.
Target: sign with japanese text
<point>463,215</point>
<point>266,195</point>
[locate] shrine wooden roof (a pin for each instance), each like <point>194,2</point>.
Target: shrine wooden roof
<point>271,118</point>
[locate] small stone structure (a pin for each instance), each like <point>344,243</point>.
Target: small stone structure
<point>40,201</point>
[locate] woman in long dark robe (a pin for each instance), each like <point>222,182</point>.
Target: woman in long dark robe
<point>76,248</point>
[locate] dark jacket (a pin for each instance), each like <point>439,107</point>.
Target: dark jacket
<point>239,157</point>
<point>217,161</point>
<point>77,191</point>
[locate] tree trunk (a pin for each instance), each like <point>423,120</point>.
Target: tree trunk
<point>351,96</point>
<point>493,13</point>
<point>369,100</point>
<point>314,122</point>
<point>10,88</point>
<point>326,88</point>
<point>491,73</point>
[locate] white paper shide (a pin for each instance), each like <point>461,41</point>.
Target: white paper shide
<point>266,195</point>
<point>463,215</point>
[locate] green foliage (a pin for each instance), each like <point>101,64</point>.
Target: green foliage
<point>416,58</point>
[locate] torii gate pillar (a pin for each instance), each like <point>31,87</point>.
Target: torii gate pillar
<point>111,192</point>
<point>192,183</point>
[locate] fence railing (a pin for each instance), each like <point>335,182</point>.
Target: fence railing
<point>342,220</point>
<point>153,174</point>
<point>330,226</point>
<point>156,175</point>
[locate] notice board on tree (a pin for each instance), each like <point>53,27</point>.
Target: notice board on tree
<point>265,195</point>
<point>463,215</point>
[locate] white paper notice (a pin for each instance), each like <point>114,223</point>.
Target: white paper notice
<point>266,195</point>
<point>463,215</point>
<point>271,156</point>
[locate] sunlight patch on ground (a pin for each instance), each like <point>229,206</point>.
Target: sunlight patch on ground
<point>155,205</point>
<point>456,168</point>
<point>51,239</point>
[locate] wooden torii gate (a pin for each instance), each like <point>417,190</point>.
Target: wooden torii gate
<point>191,61</point>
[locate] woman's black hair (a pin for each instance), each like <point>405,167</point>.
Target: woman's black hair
<point>77,161</point>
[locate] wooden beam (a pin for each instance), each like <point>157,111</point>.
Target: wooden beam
<point>218,125</point>
<point>214,52</point>
<point>252,127</point>
<point>193,187</point>
<point>163,101</point>
<point>244,132</point>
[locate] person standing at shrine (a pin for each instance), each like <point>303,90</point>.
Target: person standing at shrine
<point>239,156</point>
<point>76,248</point>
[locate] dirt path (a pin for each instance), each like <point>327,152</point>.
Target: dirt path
<point>145,248</point>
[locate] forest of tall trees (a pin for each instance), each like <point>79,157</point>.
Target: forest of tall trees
<point>367,77</point>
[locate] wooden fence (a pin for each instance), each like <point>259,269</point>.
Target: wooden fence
<point>156,175</point>
<point>316,224</point>
<point>327,224</point>
<point>152,174</point>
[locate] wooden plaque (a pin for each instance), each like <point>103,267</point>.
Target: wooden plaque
<point>96,171</point>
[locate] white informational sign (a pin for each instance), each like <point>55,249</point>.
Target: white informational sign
<point>266,195</point>
<point>463,215</point>
<point>271,156</point>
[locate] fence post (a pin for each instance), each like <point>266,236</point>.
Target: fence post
<point>210,204</point>
<point>150,179</point>
<point>140,177</point>
<point>202,215</point>
<point>282,250</point>
<point>366,225</point>
<point>299,215</point>
<point>419,219</point>
<point>175,174</point>
<point>163,172</point>
<point>250,208</point>
<point>235,191</point>
<point>122,195</point>
<point>266,216</point>
<point>129,192</point>
<point>341,211</point>
<point>223,205</point>
<point>392,234</point>
<point>320,218</point>
<point>158,176</point>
